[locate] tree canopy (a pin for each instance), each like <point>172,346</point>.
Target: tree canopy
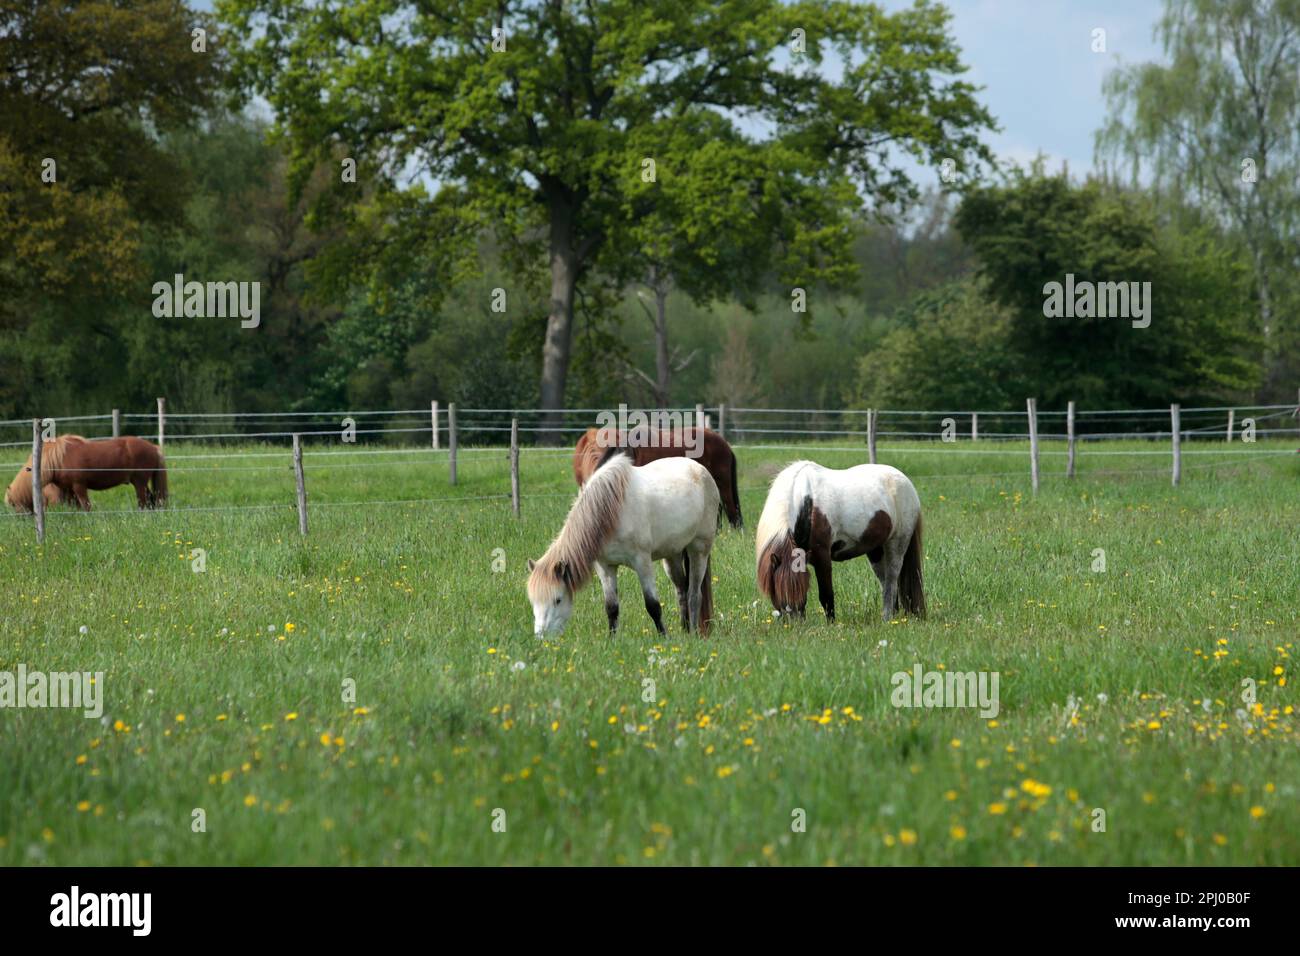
<point>542,118</point>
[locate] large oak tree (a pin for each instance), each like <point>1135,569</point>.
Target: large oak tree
<point>535,119</point>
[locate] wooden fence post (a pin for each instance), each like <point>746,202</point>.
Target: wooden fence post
<point>974,426</point>
<point>38,488</point>
<point>162,418</point>
<point>1069,434</point>
<point>433,413</point>
<point>514,466</point>
<point>451,440</point>
<point>1032,408</point>
<point>301,482</point>
<point>1232,413</point>
<point>871,435</point>
<point>722,419</point>
<point>117,423</point>
<point>1178,443</point>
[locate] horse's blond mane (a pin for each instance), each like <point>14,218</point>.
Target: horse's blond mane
<point>592,519</point>
<point>19,492</point>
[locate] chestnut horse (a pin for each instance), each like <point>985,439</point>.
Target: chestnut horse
<point>717,458</point>
<point>71,466</point>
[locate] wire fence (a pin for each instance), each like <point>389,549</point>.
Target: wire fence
<point>388,438</point>
<point>488,426</point>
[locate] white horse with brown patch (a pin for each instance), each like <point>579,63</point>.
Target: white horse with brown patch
<point>629,516</point>
<point>815,516</point>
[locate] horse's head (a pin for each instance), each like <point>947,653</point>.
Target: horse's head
<point>19,493</point>
<point>783,575</point>
<point>550,589</point>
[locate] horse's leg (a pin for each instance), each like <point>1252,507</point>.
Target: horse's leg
<point>609,584</point>
<point>676,568</point>
<point>142,498</point>
<point>891,567</point>
<point>821,561</point>
<point>645,571</point>
<point>699,566</point>
<point>83,497</point>
<point>882,575</point>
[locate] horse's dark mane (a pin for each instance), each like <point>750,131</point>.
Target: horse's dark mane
<point>777,577</point>
<point>611,452</point>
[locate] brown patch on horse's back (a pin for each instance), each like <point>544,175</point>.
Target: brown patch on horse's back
<point>879,528</point>
<point>821,531</point>
<point>871,542</point>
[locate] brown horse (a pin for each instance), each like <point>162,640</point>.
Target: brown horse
<point>71,466</point>
<point>717,458</point>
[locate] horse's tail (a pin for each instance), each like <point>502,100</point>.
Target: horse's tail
<point>911,587</point>
<point>159,481</point>
<point>706,598</point>
<point>737,521</point>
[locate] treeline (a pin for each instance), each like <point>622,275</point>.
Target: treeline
<point>934,301</point>
<point>946,312</point>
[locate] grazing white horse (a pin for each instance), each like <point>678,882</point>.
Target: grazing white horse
<point>632,516</point>
<point>815,515</point>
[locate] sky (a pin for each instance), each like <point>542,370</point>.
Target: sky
<point>1042,81</point>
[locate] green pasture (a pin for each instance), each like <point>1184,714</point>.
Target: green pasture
<point>466,740</point>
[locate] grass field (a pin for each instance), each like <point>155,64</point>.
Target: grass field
<point>225,690</point>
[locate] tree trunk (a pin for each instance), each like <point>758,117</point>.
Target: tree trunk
<point>1265,298</point>
<point>663,371</point>
<point>559,323</point>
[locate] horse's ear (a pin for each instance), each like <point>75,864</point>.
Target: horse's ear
<point>564,572</point>
<point>531,564</point>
